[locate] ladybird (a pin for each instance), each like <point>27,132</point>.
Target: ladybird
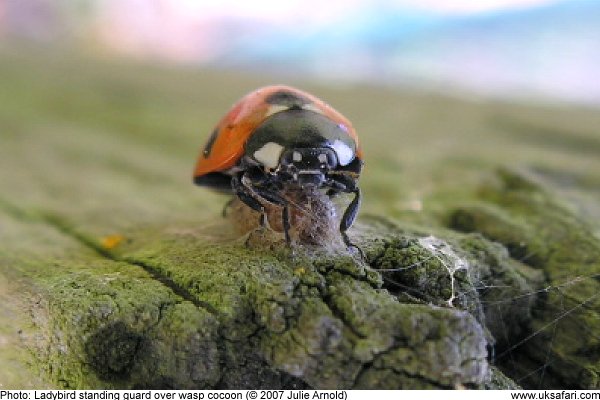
<point>279,138</point>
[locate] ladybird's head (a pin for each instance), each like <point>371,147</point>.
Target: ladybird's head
<point>306,166</point>
<point>300,147</point>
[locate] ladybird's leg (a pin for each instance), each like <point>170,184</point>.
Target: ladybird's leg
<point>273,197</point>
<point>344,180</point>
<point>285,217</point>
<point>347,183</point>
<point>246,195</point>
<point>350,214</point>
<point>348,219</point>
<point>334,188</point>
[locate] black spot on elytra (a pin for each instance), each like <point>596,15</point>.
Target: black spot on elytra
<point>287,98</point>
<point>211,142</point>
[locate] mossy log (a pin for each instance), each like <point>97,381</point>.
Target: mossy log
<point>116,273</point>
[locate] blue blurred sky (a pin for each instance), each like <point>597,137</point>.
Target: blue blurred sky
<point>514,48</point>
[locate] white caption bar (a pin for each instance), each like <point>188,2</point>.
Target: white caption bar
<point>297,395</point>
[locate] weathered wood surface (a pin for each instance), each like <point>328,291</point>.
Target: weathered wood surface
<point>499,202</point>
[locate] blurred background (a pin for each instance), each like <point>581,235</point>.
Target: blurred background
<point>546,49</point>
<point>428,84</point>
<point>437,90</point>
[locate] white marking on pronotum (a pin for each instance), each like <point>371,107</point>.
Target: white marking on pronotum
<point>322,158</point>
<point>296,156</point>
<point>275,109</point>
<point>269,155</point>
<point>344,153</point>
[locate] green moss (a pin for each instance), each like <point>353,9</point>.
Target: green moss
<point>500,381</point>
<point>496,224</point>
<point>506,288</point>
<point>125,332</point>
<point>164,304</point>
<point>323,319</point>
<point>543,233</point>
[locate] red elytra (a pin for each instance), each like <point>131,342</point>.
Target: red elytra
<point>226,145</point>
